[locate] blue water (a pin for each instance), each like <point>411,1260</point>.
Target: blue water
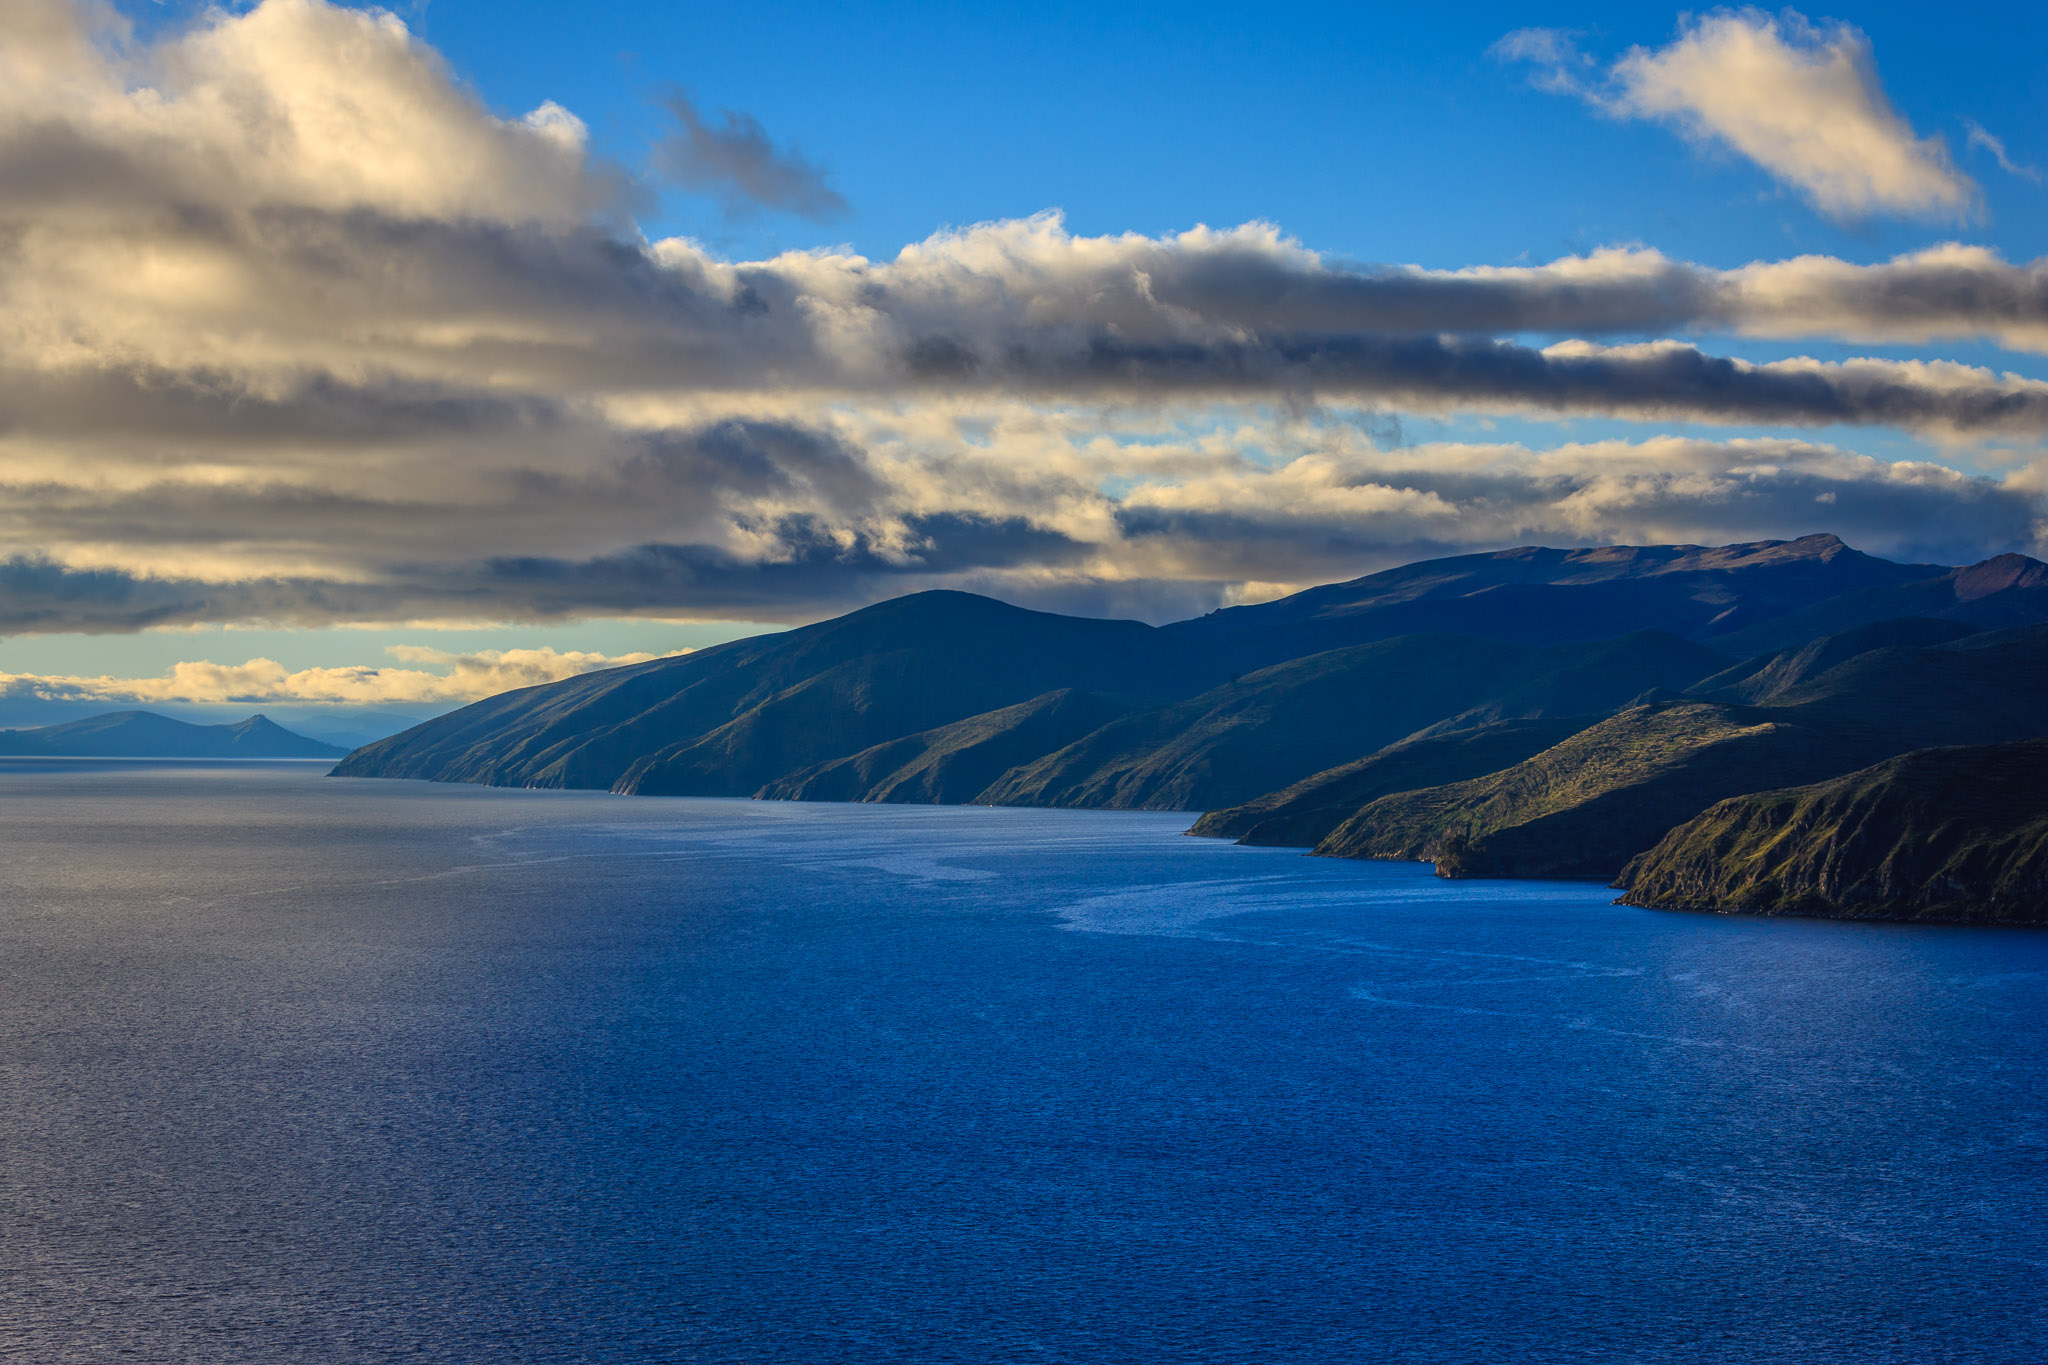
<point>298,1069</point>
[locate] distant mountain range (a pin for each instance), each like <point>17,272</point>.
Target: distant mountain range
<point>1534,712</point>
<point>144,734</point>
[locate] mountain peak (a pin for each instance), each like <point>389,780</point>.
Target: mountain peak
<point>1999,573</point>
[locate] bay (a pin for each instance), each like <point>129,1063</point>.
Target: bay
<point>308,1069</point>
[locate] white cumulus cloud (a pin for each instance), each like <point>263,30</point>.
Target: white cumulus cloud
<point>1801,100</point>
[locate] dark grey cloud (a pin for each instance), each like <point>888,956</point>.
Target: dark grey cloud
<point>592,482</point>
<point>1672,381</point>
<point>735,160</point>
<point>364,326</point>
<point>814,568</point>
<point>223,407</point>
<point>1915,523</point>
<point>37,595</point>
<point>1158,553</point>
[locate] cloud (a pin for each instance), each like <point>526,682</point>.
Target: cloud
<point>293,329</point>
<point>1803,101</point>
<point>463,677</point>
<point>1437,499</point>
<point>737,162</point>
<point>1979,137</point>
<point>1558,64</point>
<point>1053,509</point>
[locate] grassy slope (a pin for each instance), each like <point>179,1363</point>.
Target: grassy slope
<point>1766,678</point>
<point>743,717</point>
<point>728,720</point>
<point>1585,807</point>
<point>1304,814</point>
<point>1281,724</point>
<point>954,763</point>
<point>1939,834</point>
<point>1266,729</point>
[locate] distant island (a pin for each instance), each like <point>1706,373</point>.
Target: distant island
<point>144,734</point>
<point>1530,713</point>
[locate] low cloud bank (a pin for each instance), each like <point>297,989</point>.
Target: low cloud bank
<point>462,678</point>
<point>1156,523</point>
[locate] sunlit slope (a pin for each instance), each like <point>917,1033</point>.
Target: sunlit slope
<point>1939,834</point>
<point>1586,806</point>
<point>1304,814</point>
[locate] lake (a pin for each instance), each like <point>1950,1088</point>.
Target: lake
<point>307,1069</point>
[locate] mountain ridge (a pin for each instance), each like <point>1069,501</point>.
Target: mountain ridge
<point>1582,704</point>
<point>145,734</point>
<point>1585,807</point>
<point>741,717</point>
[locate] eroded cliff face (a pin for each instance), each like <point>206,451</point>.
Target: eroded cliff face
<point>1952,834</point>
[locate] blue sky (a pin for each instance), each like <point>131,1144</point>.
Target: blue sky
<point>352,365</point>
<point>1381,133</point>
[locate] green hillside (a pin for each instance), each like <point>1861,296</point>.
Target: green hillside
<point>1512,712</point>
<point>1586,806</point>
<point>1937,834</point>
<point>955,763</point>
<point>1583,807</point>
<point>729,720</point>
<point>1276,726</point>
<point>1304,814</point>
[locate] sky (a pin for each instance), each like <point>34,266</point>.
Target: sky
<point>360,362</point>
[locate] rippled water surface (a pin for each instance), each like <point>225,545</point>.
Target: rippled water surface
<point>299,1069</point>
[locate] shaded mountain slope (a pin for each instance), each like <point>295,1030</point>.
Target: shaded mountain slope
<point>1983,688</point>
<point>1588,805</point>
<point>1998,594</point>
<point>144,734</point>
<point>1304,814</point>
<point>1938,834</point>
<point>1761,679</point>
<point>954,763</point>
<point>728,720</point>
<point>1539,596</point>
<point>1280,724</point>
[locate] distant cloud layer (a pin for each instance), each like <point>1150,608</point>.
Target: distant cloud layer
<point>292,329</point>
<point>458,678</point>
<point>1801,100</point>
